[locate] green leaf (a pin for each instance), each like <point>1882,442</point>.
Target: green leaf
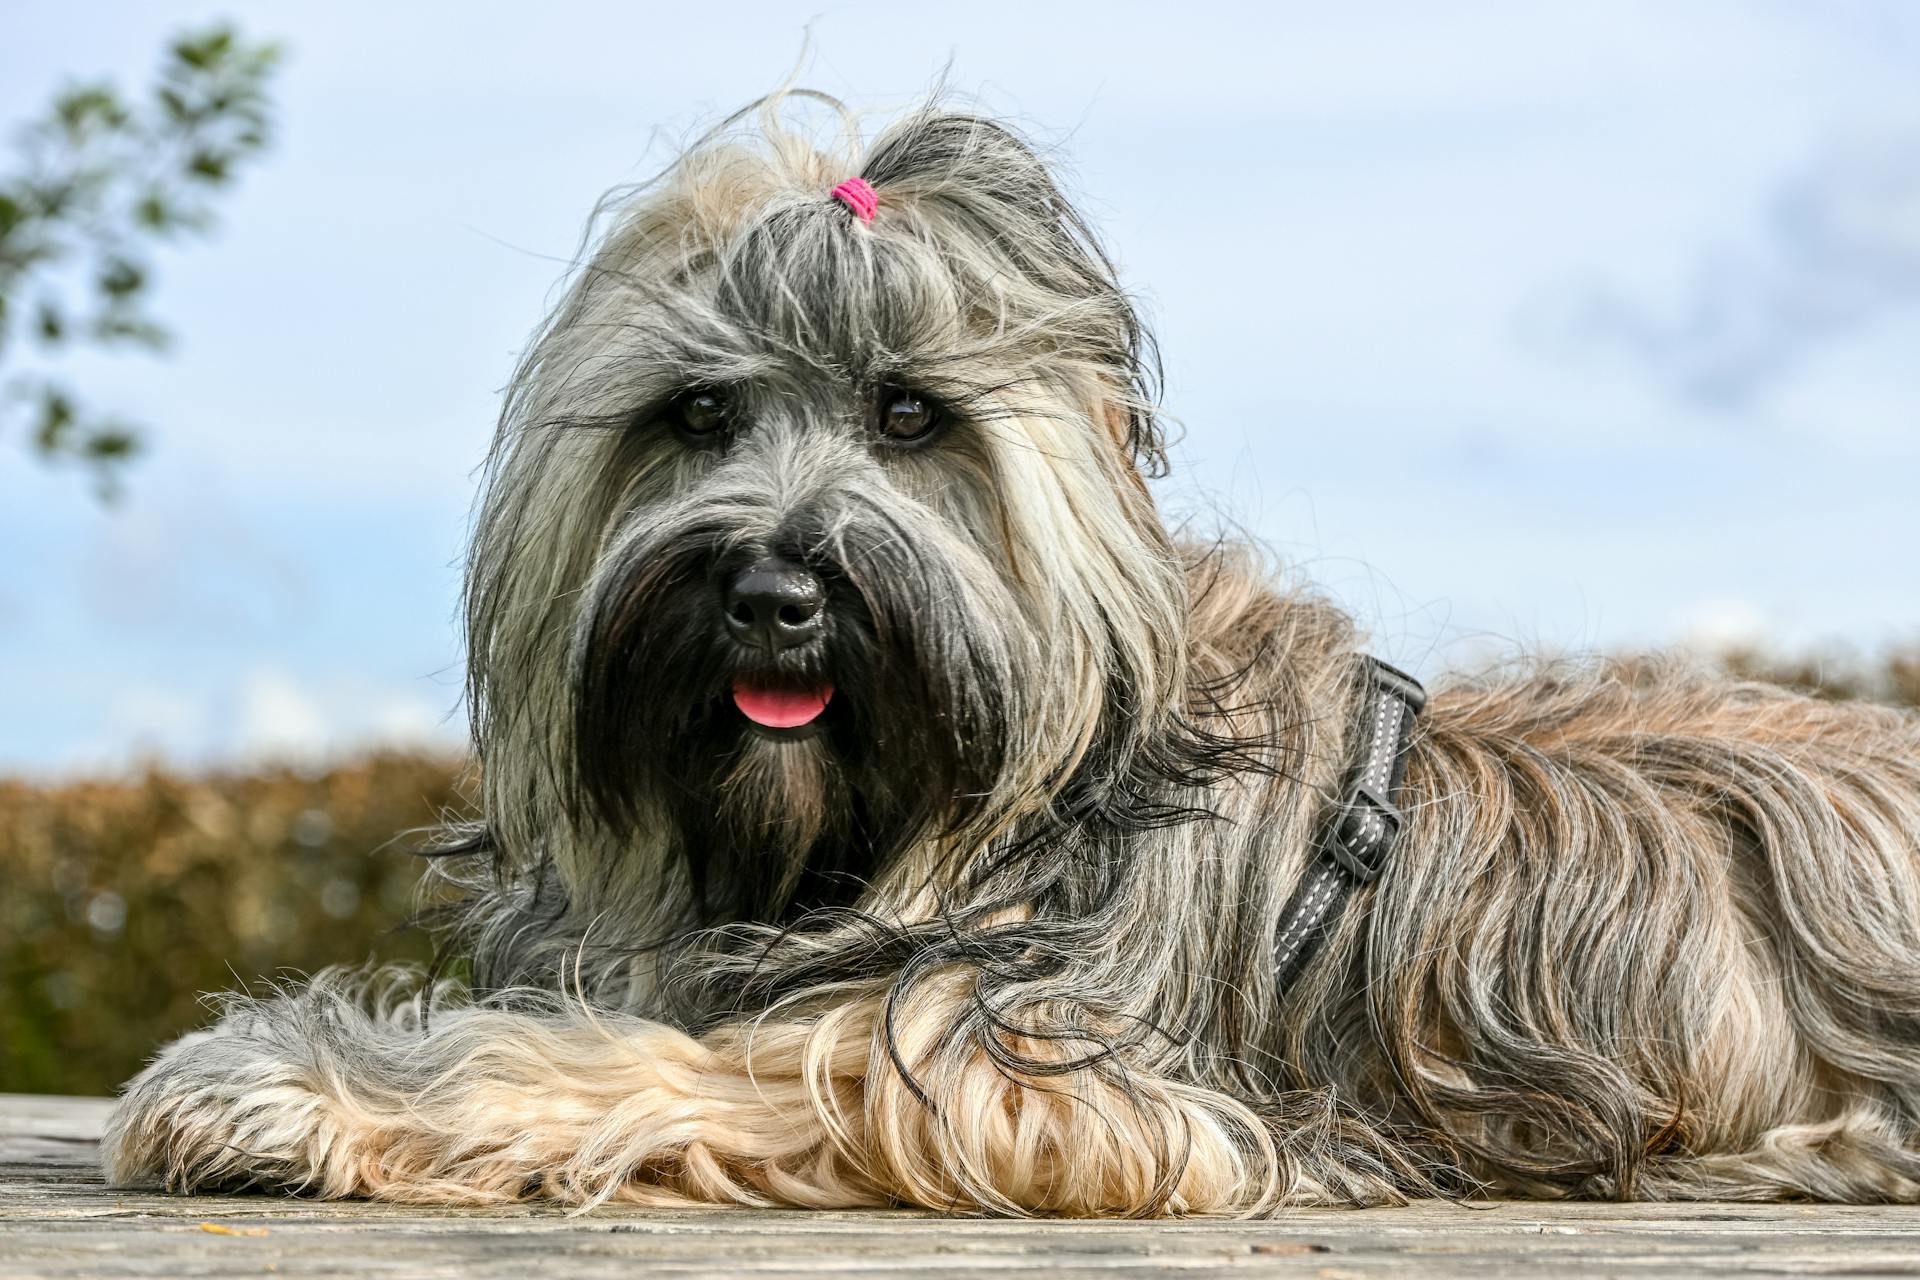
<point>82,109</point>
<point>175,105</point>
<point>50,324</point>
<point>120,278</point>
<point>56,420</point>
<point>204,51</point>
<point>151,212</point>
<point>110,443</point>
<point>51,200</point>
<point>119,327</point>
<point>207,166</point>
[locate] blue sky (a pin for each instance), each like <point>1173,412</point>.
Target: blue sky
<point>1512,324</point>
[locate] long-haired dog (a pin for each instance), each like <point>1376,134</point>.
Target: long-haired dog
<point>882,807</point>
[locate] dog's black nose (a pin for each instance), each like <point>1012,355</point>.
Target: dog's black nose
<point>775,605</point>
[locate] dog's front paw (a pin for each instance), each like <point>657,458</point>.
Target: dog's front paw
<point>227,1108</point>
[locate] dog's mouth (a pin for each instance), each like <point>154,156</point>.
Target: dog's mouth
<point>782,708</point>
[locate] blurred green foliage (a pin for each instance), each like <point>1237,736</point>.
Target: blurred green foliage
<point>101,181</point>
<point>125,899</point>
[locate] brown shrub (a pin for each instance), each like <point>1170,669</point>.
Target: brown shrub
<point>1842,674</point>
<point>126,899</point>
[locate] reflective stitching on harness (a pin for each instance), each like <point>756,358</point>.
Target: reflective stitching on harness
<point>1319,895</point>
<point>1330,879</point>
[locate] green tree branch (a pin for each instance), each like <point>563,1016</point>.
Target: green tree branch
<point>100,182</point>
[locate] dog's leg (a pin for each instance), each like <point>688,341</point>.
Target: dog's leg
<point>484,1105</point>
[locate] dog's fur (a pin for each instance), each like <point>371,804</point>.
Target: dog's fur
<point>999,938</point>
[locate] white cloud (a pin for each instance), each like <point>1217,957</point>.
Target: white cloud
<point>266,714</point>
<point>1723,624</point>
<point>279,719</point>
<point>1839,252</point>
<point>406,719</point>
<point>157,722</point>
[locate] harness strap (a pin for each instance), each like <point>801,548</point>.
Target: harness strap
<point>1359,835</point>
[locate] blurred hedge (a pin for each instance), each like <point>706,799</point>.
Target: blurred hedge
<point>1894,678</point>
<point>124,899</point>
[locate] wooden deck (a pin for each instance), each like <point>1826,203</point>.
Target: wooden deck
<point>56,1219</point>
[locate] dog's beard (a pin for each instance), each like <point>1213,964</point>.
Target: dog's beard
<point>792,796</point>
<point>911,743</point>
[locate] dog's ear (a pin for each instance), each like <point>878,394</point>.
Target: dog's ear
<point>996,187</point>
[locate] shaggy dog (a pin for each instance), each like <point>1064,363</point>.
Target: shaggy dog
<point>881,806</point>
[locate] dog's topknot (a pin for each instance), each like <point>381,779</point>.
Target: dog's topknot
<point>977,257</point>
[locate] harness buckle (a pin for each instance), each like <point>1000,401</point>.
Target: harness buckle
<point>1364,836</point>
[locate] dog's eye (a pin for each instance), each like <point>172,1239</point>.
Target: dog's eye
<point>907,415</point>
<point>699,413</point>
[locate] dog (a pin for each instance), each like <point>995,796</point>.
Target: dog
<point>881,806</point>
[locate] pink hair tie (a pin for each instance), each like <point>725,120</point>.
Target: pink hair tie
<point>858,195</point>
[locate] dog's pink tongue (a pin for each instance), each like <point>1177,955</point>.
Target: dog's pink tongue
<point>781,708</point>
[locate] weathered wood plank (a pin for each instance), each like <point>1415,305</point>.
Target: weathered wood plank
<point>57,1219</point>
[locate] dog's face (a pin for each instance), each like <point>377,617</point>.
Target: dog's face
<point>811,541</point>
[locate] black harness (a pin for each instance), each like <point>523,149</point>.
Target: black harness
<point>1358,836</point>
